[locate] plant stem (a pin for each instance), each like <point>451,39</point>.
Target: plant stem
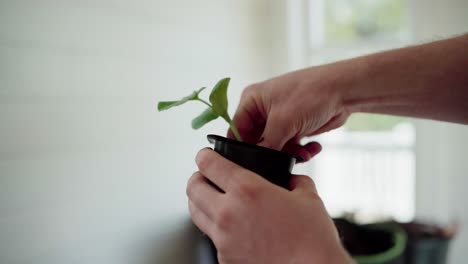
<point>205,102</point>
<point>228,120</point>
<point>233,129</point>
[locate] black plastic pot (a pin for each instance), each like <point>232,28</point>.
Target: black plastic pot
<point>273,165</point>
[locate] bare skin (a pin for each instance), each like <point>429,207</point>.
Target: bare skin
<point>426,81</point>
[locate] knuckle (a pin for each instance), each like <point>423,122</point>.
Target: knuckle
<point>224,219</point>
<point>312,188</point>
<point>314,197</point>
<point>307,179</point>
<point>311,183</point>
<point>251,89</point>
<point>191,184</point>
<point>247,190</point>
<point>189,189</point>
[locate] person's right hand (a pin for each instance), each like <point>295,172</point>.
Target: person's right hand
<point>279,112</point>
<point>425,81</point>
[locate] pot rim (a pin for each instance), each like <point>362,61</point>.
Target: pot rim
<point>212,138</point>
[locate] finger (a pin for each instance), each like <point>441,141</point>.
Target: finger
<point>249,120</point>
<point>313,148</point>
<point>277,132</point>
<point>306,152</point>
<point>222,172</point>
<point>302,183</point>
<point>203,194</point>
<point>200,219</point>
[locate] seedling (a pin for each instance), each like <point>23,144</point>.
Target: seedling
<point>217,108</point>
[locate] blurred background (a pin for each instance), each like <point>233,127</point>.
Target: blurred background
<point>90,172</point>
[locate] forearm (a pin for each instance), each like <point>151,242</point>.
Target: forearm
<point>425,81</point>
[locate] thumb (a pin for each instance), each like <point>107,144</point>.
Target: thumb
<point>302,183</point>
<point>276,134</point>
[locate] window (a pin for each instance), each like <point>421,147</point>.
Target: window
<point>367,168</point>
<point>346,28</point>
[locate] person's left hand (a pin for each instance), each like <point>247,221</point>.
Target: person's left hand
<point>251,220</point>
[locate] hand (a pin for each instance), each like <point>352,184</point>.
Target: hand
<point>250,220</point>
<point>424,81</point>
<point>278,113</point>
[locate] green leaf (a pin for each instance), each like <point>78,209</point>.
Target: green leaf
<point>164,105</point>
<point>205,117</point>
<point>218,98</point>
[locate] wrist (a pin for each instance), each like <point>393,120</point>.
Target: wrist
<point>346,83</point>
<point>384,83</point>
<point>356,95</point>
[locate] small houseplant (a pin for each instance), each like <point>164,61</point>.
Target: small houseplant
<point>273,165</point>
<point>377,244</point>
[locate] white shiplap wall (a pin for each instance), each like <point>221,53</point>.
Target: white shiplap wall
<point>89,171</point>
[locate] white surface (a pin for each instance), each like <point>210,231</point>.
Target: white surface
<point>90,172</point>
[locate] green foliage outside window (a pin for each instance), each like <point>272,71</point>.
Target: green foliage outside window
<point>370,122</point>
<point>348,21</point>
